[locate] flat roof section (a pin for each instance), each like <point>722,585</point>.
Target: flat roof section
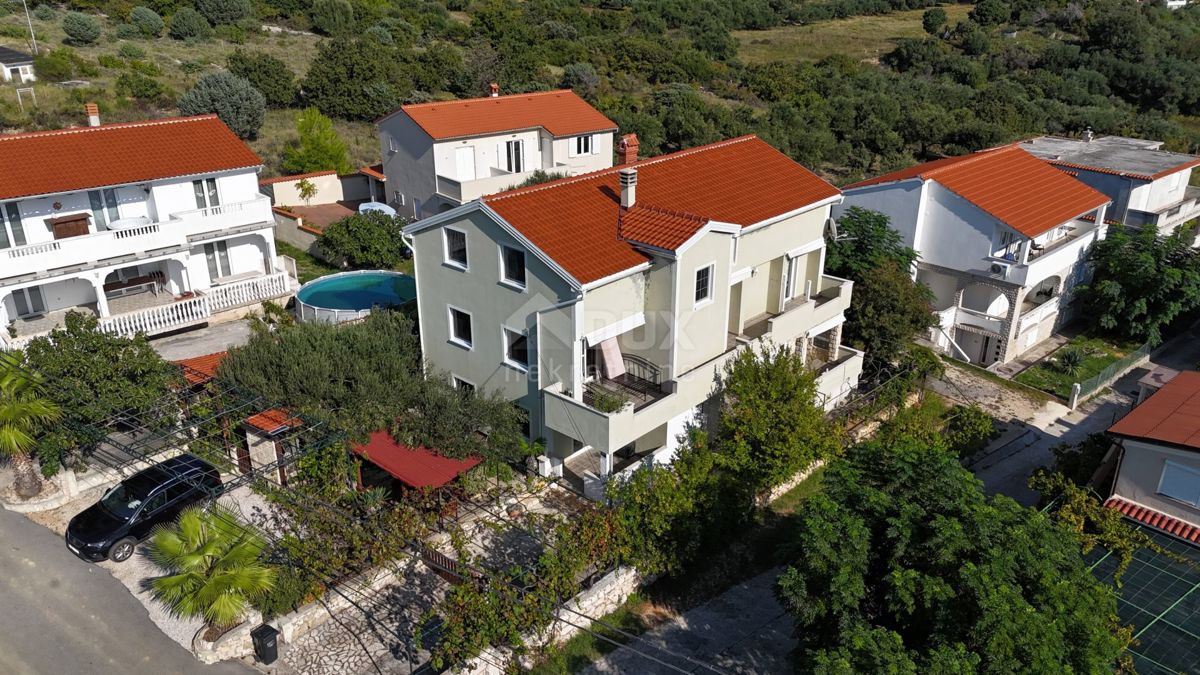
<point>1135,157</point>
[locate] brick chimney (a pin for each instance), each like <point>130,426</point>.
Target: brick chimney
<point>494,90</point>
<point>627,150</point>
<point>628,187</point>
<point>93,114</point>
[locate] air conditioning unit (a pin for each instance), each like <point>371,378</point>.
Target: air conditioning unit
<point>1000,269</point>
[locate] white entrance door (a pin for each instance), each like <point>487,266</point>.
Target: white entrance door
<point>464,162</point>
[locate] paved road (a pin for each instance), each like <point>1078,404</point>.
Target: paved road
<point>59,614</point>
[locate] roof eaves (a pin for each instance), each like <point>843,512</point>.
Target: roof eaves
<point>533,248</point>
<point>834,199</point>
<point>597,283</point>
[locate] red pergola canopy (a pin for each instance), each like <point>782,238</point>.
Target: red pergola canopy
<point>417,467</point>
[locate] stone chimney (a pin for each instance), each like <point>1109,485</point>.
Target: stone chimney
<point>494,90</point>
<point>1088,135</point>
<point>627,150</point>
<point>628,187</point>
<point>93,114</point>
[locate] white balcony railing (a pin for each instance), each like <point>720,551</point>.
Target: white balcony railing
<point>197,310</point>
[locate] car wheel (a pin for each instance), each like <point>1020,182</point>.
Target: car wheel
<point>121,550</point>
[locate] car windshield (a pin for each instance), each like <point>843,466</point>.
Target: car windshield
<point>124,499</point>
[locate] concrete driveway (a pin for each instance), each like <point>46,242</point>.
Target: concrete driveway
<point>200,341</point>
<point>60,614</point>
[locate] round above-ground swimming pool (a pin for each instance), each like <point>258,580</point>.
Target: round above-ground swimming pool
<point>352,295</point>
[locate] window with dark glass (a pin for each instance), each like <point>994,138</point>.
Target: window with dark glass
<point>703,284</point>
<point>514,156</point>
<point>456,247</point>
<point>464,386</point>
<point>206,193</point>
<point>12,233</point>
<point>514,265</point>
<point>460,327</point>
<point>104,207</point>
<point>516,348</point>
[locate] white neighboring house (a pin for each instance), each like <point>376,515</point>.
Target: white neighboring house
<point>439,155</point>
<point>1147,185</point>
<point>1002,238</point>
<point>605,305</point>
<point>151,226</point>
<point>16,66</point>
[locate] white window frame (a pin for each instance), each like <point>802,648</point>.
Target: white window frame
<point>9,227</point>
<point>398,197</point>
<point>457,383</point>
<point>517,365</point>
<point>504,278</point>
<point>27,295</point>
<point>212,192</point>
<point>578,143</point>
<point>708,298</point>
<point>454,339</point>
<point>510,159</point>
<point>464,266</point>
<point>1186,469</point>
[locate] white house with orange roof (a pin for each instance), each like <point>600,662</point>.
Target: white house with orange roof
<point>151,226</point>
<point>1002,238</point>
<point>442,154</point>
<point>605,305</point>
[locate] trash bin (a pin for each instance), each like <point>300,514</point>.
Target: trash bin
<point>266,644</point>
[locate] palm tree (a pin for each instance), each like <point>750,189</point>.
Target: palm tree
<point>214,566</point>
<point>22,413</point>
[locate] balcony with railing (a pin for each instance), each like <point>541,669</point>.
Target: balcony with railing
<point>497,180</point>
<point>640,385</point>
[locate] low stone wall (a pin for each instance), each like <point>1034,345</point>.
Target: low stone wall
<point>233,645</point>
<point>787,485</point>
<point>604,597</point>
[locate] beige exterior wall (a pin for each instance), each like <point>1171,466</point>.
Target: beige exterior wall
<point>287,193</point>
<point>1141,470</point>
<point>614,302</point>
<point>701,328</point>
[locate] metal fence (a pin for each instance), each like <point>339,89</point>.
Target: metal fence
<point>1086,389</point>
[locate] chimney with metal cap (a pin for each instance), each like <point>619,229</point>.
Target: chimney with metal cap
<point>494,89</point>
<point>93,114</point>
<point>628,187</point>
<point>627,150</point>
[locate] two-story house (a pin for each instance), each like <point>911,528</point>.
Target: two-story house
<point>606,305</point>
<point>1158,474</point>
<point>1002,238</point>
<point>1147,185</point>
<point>151,226</point>
<point>439,155</point>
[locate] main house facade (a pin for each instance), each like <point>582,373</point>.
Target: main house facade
<point>606,305</point>
<point>1147,185</point>
<point>439,155</point>
<point>1002,238</point>
<point>151,226</point>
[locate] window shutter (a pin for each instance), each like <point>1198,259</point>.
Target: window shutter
<point>573,147</point>
<point>596,144</point>
<point>501,157</point>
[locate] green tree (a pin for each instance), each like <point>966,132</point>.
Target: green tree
<point>887,309</point>
<point>349,80</point>
<point>582,79</point>
<point>865,239</point>
<point>147,21</point>
<point>188,24</point>
<point>239,105</point>
<point>990,12</point>
<point>224,12</point>
<point>368,240</point>
<point>80,28</point>
<point>319,147</point>
<point>901,564</point>
<point>933,20</point>
<point>306,189</point>
<point>213,564</point>
<point>97,377</point>
<point>139,86</point>
<point>268,74</point>
<point>771,422</point>
<point>1141,282</point>
<point>333,17</point>
<point>24,412</point>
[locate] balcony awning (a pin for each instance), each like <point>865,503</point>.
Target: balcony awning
<point>417,467</point>
<point>614,329</point>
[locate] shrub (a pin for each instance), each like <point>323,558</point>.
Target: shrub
<point>268,74</point>
<point>81,29</point>
<point>239,105</point>
<point>188,24</point>
<point>1070,360</point>
<point>131,52</point>
<point>58,65</point>
<point>191,67</point>
<point>127,31</point>
<point>293,587</point>
<point>44,12</point>
<point>139,86</point>
<point>109,61</point>
<point>319,148</point>
<point>608,402</point>
<point>365,240</point>
<point>380,35</point>
<point>224,12</point>
<point>332,17</point>
<point>147,21</point>
<point>968,430</point>
<point>145,68</point>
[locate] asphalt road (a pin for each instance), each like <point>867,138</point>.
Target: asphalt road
<point>59,614</point>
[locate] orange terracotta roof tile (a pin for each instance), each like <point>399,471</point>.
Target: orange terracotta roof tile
<point>201,369</point>
<point>274,421</point>
<point>741,181</point>
<point>1013,186</point>
<point>659,228</point>
<point>561,113</point>
<point>1171,415</point>
<point>299,176</point>
<point>45,162</point>
<point>1155,519</point>
<point>374,171</point>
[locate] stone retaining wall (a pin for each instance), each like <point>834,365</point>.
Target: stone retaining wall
<point>787,485</point>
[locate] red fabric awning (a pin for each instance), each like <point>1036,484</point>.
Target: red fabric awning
<point>418,467</point>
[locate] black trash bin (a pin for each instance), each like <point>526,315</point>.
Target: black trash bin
<point>266,644</point>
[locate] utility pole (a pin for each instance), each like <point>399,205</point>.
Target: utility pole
<point>29,21</point>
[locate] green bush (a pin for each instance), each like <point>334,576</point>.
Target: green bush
<point>968,430</point>
<point>239,105</point>
<point>127,31</point>
<point>145,68</point>
<point>80,28</point>
<point>109,61</point>
<point>139,86</point>
<point>1069,360</point>
<point>191,67</point>
<point>59,65</point>
<point>293,588</point>
<point>333,17</point>
<point>224,12</point>
<point>188,24</point>
<point>131,52</point>
<point>147,21</point>
<point>608,402</point>
<point>380,35</point>
<point>44,12</point>
<point>268,74</point>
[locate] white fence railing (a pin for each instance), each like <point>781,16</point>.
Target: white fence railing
<point>197,310</point>
<point>248,291</point>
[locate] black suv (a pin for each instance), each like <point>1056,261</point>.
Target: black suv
<point>126,514</point>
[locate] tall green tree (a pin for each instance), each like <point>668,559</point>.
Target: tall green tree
<point>239,105</point>
<point>353,79</point>
<point>319,147</point>
<point>888,308</point>
<point>24,411</point>
<point>269,75</point>
<point>368,240</point>
<point>214,566</point>
<point>865,239</point>
<point>902,565</point>
<point>1140,283</point>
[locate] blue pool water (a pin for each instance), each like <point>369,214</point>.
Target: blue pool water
<point>362,290</point>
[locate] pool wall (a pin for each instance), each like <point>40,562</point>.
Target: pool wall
<point>308,312</point>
